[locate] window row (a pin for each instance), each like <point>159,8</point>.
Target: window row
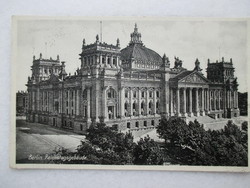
<point>143,94</point>
<point>143,107</point>
<point>145,124</point>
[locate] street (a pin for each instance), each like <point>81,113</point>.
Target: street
<point>38,139</point>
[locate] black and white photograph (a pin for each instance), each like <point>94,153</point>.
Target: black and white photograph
<point>130,93</point>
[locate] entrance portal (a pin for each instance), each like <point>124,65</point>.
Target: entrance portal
<point>111,112</point>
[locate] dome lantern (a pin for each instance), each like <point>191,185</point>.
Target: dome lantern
<point>135,36</point>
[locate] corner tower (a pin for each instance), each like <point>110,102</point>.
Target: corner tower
<point>98,56</point>
<point>42,68</point>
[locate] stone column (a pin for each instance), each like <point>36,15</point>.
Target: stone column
<point>88,104</point>
<point>131,102</point>
<point>154,107</point>
<point>215,106</point>
<point>147,100</point>
<point>190,102</point>
<point>207,98</point>
<point>139,101</point>
<point>47,104</point>
<point>117,61</point>
<point>122,95</point>
<point>236,99</point>
<point>210,103</point>
<point>77,102</point>
<point>171,102</point>
<point>184,103</point>
<point>178,101</point>
<point>73,102</point>
<point>44,100</point>
<point>197,102</point>
<point>111,61</point>
<point>67,107</point>
<point>230,99</point>
<point>95,93</point>
<point>38,99</point>
<point>202,102</point>
<point>219,92</point>
<point>105,63</point>
<point>100,60</point>
<point>33,101</point>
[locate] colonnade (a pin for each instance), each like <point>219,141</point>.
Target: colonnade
<point>188,101</point>
<point>104,60</point>
<point>139,102</point>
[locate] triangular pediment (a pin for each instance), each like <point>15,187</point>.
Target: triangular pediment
<point>53,79</point>
<point>194,77</point>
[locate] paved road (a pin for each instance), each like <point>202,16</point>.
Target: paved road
<point>38,139</point>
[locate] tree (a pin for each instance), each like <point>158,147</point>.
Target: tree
<point>191,144</point>
<point>173,131</point>
<point>229,145</point>
<point>105,145</point>
<point>148,152</point>
<point>244,126</point>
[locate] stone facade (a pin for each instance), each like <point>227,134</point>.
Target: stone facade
<point>21,103</point>
<point>131,88</point>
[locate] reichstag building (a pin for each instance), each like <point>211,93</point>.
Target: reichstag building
<point>130,88</point>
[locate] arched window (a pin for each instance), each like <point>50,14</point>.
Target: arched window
<point>134,94</point>
<point>126,109</point>
<point>142,108</point>
<point>142,94</point>
<point>84,94</point>
<point>134,108</point>
<point>157,107</point>
<point>126,94</point>
<point>150,105</point>
<point>212,104</point>
<point>134,105</point>
<point>150,94</point>
<point>157,94</point>
<point>111,93</point>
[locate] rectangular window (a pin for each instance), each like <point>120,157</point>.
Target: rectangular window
<point>109,94</point>
<point>137,124</point>
<point>145,123</point>
<point>128,125</point>
<point>153,123</point>
<point>81,127</point>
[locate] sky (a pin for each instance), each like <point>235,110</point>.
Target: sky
<point>187,40</point>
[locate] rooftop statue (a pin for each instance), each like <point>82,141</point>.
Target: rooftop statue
<point>177,63</point>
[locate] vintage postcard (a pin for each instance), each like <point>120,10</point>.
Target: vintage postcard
<point>130,93</point>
